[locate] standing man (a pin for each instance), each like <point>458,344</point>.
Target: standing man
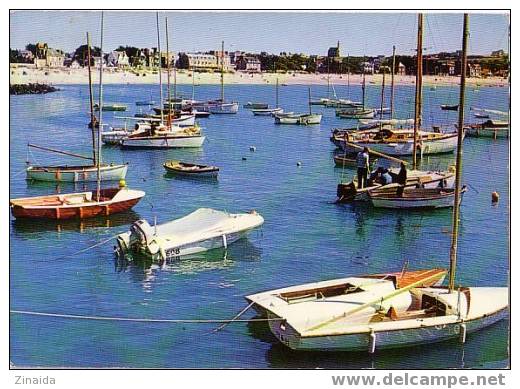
<point>362,160</point>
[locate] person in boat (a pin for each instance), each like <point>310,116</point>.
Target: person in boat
<point>362,161</point>
<point>386,178</point>
<point>401,179</point>
<point>375,176</point>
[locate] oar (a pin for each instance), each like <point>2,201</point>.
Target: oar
<point>377,153</point>
<point>370,303</point>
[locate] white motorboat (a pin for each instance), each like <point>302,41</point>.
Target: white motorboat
<point>287,118</point>
<point>202,230</point>
<point>378,312</point>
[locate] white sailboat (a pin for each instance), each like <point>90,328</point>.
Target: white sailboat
<point>78,173</point>
<point>221,106</point>
<point>386,310</point>
<point>158,134</point>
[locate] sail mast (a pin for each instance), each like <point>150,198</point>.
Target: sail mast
<point>382,94</point>
<point>222,73</point>
<point>310,105</point>
<point>276,93</point>
<point>100,112</point>
<point>328,77</point>
<point>363,86</point>
<point>458,171</point>
<point>418,88</point>
<point>348,76</point>
<point>91,97</point>
<point>160,68</point>
<point>393,86</point>
<point>168,77</point>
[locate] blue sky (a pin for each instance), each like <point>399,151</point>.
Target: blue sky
<point>311,33</point>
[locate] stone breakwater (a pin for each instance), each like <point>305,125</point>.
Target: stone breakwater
<point>31,89</point>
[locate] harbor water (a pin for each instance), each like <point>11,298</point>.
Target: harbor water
<point>290,179</point>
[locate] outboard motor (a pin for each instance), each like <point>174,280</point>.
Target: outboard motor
<point>141,233</point>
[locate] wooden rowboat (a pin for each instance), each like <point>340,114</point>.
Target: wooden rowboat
<point>190,169</point>
<point>80,205</point>
<point>413,198</point>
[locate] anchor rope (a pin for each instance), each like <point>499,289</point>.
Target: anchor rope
<point>140,320</point>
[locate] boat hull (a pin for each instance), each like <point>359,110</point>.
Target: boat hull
<point>438,146</point>
<point>487,132</point>
<point>166,142</point>
<point>384,339</point>
<point>80,174</point>
<point>223,109</point>
<point>76,211</point>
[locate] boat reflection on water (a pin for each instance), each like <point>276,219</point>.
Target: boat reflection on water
<point>144,269</point>
<point>202,179</point>
<point>26,227</point>
<point>453,354</point>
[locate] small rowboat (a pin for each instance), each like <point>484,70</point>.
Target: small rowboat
<point>413,198</point>
<point>76,205</point>
<point>190,169</point>
<point>267,111</point>
<point>446,107</point>
<point>251,105</point>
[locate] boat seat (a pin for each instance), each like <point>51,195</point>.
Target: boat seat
<point>403,315</point>
<point>75,200</point>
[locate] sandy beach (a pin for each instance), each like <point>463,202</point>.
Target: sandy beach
<point>23,75</point>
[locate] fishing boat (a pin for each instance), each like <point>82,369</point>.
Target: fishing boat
<point>399,142</point>
<point>78,173</point>
<point>349,191</point>
<point>202,230</point>
<point>76,205</point>
<point>347,160</point>
<point>220,106</point>
<point>250,105</point>
<point>392,122</point>
<point>111,107</point>
<point>83,204</point>
<point>412,198</point>
<point>490,128</point>
<point>446,107</point>
<point>190,169</point>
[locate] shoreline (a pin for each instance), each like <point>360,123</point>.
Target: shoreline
<point>27,75</point>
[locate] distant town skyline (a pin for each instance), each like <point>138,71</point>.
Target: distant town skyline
<point>359,33</point>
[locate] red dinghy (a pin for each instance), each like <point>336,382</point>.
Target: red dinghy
<point>80,205</point>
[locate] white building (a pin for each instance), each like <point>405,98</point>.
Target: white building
<point>117,59</point>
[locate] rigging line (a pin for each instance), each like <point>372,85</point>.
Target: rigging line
<point>139,320</point>
<point>87,248</point>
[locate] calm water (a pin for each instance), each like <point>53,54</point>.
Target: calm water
<point>306,237</point>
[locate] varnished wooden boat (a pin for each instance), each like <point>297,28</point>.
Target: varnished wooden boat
<point>190,169</point>
<point>412,198</point>
<point>80,205</point>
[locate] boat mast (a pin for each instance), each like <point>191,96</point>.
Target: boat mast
<point>276,93</point>
<point>458,171</point>
<point>328,77</point>
<point>382,94</point>
<point>91,97</point>
<point>160,68</point>
<point>100,113</point>
<point>192,84</point>
<point>348,76</point>
<point>310,105</point>
<point>363,87</point>
<point>168,77</point>
<point>392,88</point>
<point>418,88</point>
<point>222,73</point>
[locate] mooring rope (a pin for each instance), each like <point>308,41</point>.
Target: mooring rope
<point>143,320</point>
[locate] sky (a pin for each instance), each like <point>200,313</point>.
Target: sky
<point>296,32</point>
